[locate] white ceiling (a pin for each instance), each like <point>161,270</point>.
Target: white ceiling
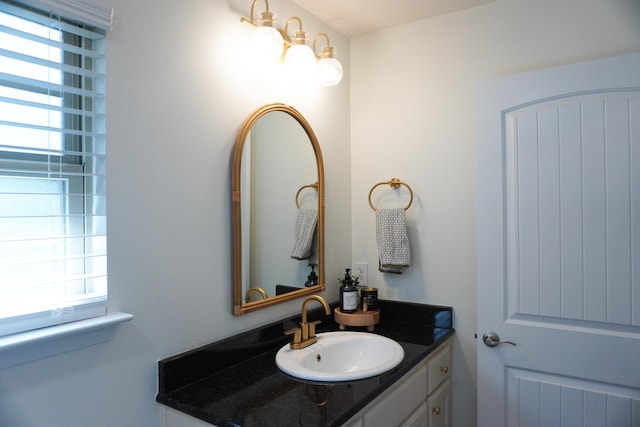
<point>356,17</point>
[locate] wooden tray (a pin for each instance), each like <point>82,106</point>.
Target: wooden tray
<point>358,318</point>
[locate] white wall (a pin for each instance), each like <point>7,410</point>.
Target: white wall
<point>412,118</point>
<point>179,86</point>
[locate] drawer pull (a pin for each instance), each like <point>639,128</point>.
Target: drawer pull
<point>436,410</point>
<point>444,369</point>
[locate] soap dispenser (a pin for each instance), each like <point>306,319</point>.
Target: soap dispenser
<point>348,294</point>
<point>312,278</point>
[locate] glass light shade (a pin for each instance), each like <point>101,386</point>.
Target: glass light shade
<point>300,59</point>
<point>328,72</point>
<point>267,42</point>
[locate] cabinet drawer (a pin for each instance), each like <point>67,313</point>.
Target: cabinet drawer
<point>401,402</point>
<point>439,367</point>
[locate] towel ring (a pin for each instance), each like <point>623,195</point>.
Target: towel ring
<point>314,185</point>
<point>393,183</point>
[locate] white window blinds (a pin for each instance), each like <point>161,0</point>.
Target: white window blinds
<point>52,170</point>
<point>86,11</point>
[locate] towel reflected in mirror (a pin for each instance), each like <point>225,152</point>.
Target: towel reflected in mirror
<point>305,233</point>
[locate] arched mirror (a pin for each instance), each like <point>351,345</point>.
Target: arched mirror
<point>278,210</point>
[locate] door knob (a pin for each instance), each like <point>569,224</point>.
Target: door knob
<point>491,339</point>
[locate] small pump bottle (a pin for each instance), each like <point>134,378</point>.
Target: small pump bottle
<point>348,294</point>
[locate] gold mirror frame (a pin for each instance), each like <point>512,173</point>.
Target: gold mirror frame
<point>239,306</point>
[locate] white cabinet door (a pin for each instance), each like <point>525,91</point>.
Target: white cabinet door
<point>394,408</point>
<point>439,406</point>
<point>405,404</point>
<point>558,235</point>
<point>418,418</point>
<point>354,423</point>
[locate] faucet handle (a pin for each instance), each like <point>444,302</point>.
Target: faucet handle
<point>312,328</point>
<point>297,334</point>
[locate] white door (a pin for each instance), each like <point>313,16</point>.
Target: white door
<point>558,241</point>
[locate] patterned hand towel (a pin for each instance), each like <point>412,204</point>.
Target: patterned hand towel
<point>305,230</point>
<point>394,254</point>
<point>313,258</point>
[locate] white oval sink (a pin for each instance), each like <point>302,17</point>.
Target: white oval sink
<point>341,356</point>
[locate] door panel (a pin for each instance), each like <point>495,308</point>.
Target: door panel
<point>555,400</point>
<point>558,220</point>
<point>568,208</point>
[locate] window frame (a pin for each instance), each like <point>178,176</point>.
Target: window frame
<point>37,344</point>
<point>74,164</point>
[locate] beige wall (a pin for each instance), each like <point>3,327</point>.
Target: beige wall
<point>412,117</point>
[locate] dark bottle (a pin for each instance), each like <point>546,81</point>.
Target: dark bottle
<point>348,294</point>
<point>312,278</point>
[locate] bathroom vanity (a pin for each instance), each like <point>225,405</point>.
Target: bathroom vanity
<point>235,381</point>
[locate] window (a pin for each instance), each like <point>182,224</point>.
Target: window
<point>53,248</point>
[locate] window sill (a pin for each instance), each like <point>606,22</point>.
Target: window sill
<point>41,343</point>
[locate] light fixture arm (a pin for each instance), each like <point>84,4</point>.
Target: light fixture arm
<point>328,51</point>
<point>296,34</point>
<point>319,35</point>
<point>253,5</point>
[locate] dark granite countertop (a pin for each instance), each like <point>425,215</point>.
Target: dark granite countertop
<point>235,382</point>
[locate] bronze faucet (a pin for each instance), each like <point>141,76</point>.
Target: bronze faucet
<point>305,335</point>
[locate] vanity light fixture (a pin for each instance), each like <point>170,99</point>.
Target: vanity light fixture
<point>292,50</point>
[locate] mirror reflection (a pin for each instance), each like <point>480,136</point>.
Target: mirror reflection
<point>278,211</point>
